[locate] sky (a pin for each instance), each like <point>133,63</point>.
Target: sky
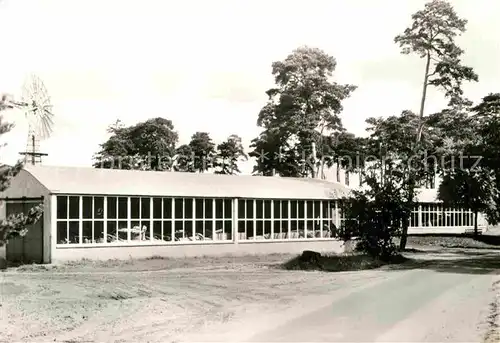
<point>206,65</point>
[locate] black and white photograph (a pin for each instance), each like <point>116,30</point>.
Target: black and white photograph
<point>249,171</point>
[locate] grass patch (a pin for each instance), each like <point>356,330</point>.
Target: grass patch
<point>342,263</point>
<point>456,241</point>
<point>35,267</point>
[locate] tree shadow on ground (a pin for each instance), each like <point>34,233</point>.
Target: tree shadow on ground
<point>461,263</point>
<point>488,239</point>
<point>445,260</point>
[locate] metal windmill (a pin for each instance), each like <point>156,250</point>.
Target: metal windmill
<point>35,102</point>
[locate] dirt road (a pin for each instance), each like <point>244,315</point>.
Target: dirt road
<point>236,300</point>
<point>420,306</point>
<point>453,297</point>
<point>154,300</point>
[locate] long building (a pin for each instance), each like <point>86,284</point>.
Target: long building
<point>108,213</point>
<point>430,216</point>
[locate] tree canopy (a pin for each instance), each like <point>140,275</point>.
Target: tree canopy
<point>302,108</point>
<point>152,145</point>
<point>229,153</point>
<point>147,145</point>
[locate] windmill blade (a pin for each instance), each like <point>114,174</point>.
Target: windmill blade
<point>41,126</point>
<point>39,109</point>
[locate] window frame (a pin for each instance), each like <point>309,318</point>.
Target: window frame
<point>221,235</point>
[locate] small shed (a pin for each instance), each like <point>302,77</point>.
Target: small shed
<point>109,213</point>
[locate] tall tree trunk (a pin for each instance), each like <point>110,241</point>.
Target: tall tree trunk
<point>313,153</point>
<point>412,181</point>
<point>424,96</point>
<point>338,171</point>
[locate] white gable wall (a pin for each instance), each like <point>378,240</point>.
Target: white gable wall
<point>25,185</point>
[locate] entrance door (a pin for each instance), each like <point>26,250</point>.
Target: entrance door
<point>29,248</point>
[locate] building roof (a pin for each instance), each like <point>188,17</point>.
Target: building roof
<point>78,180</point>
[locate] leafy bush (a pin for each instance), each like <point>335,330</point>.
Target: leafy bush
<point>374,217</point>
<point>17,224</point>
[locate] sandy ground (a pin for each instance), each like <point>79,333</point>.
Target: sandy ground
<point>449,297</point>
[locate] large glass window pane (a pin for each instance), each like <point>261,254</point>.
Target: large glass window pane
<point>74,232</point>
<point>277,208</point>
<point>241,209</point>
<point>199,208</point>
<point>135,208</point>
<point>219,229</point>
<point>167,230</point>
<point>179,209</point>
<point>157,208</point>
<point>111,207</point>
<point>242,230</point>
<point>74,207</point>
<point>99,231</point>
<point>145,208</point>
<point>228,208</point>
<point>167,208</point>
<point>249,206</point>
<point>284,228</point>
<point>62,233</point>
<point>277,229</point>
<point>87,232</point>
<point>62,207</point>
<point>267,229</point>
<point>301,209</point>
<point>228,230</point>
<point>87,207</point>
<point>188,229</point>
<point>188,208</point>
<point>259,209</point>
<point>209,207</point>
<point>259,231</point>
<point>293,209</point>
<point>209,230</point>
<point>317,209</point>
<point>122,208</point>
<point>326,213</point>
<point>219,208</point>
<point>179,230</point>
<point>199,228</point>
<point>267,209</point>
<point>284,209</point>
<point>301,227</point>
<point>98,207</point>
<point>250,230</point>
<point>157,232</point>
<point>112,234</point>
